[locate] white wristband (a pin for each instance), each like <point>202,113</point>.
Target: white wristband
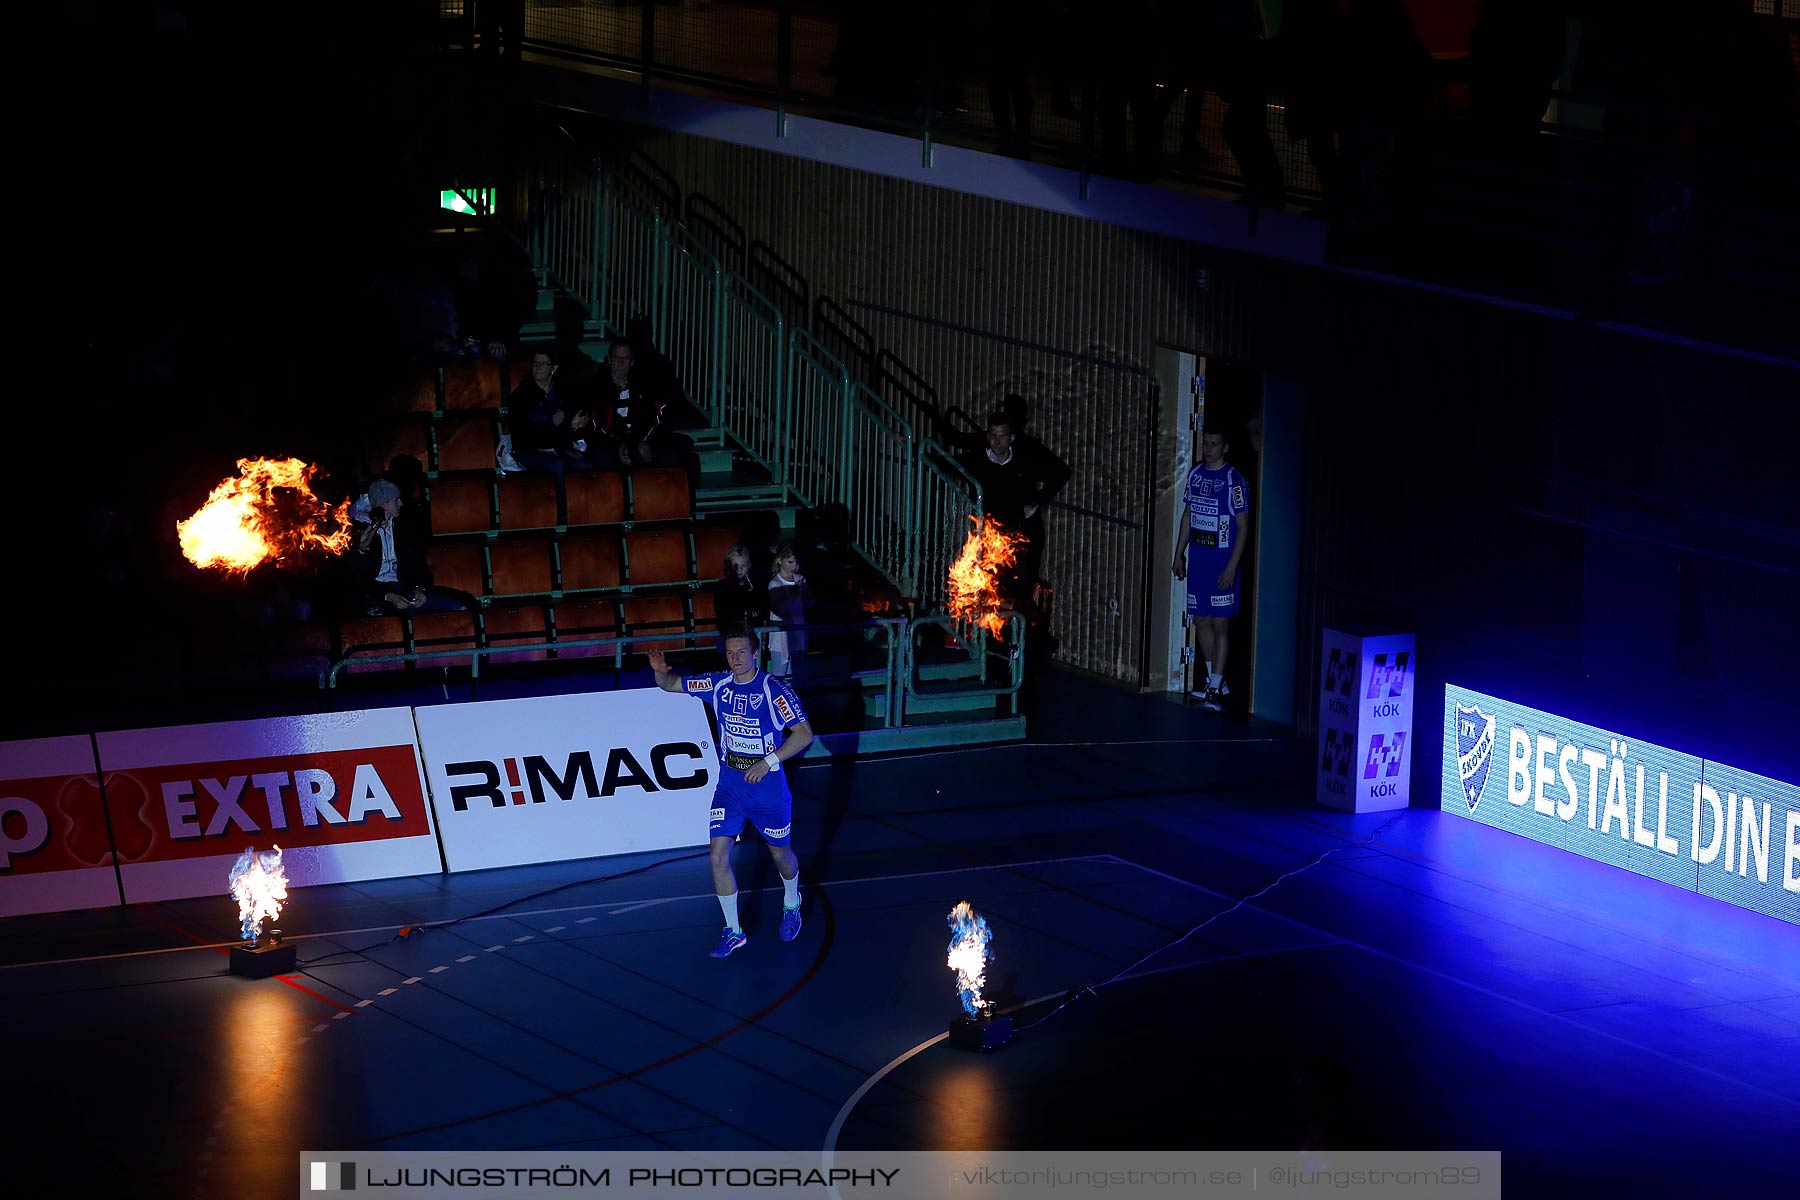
<point>774,761</point>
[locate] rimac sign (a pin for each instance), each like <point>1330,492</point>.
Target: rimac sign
<point>1696,824</point>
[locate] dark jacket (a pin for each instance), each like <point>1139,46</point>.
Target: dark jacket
<point>410,567</point>
<point>643,409</point>
<point>1032,477</point>
<point>741,602</point>
<point>530,413</point>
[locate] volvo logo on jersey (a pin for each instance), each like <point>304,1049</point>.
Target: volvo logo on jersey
<point>552,777</point>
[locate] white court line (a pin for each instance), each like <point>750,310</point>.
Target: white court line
<point>843,1114</point>
<point>610,906</point>
<point>1485,991</point>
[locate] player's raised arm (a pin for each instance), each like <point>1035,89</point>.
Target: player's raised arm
<point>666,679</point>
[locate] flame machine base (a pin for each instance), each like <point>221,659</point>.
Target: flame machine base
<point>260,962</point>
<point>985,1034</point>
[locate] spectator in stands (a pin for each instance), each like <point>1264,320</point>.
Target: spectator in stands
<point>390,559</point>
<point>657,372</point>
<point>1014,489</point>
<point>737,599</point>
<point>789,604</point>
<point>548,433</point>
<point>630,413</point>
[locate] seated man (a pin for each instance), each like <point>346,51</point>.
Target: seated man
<point>389,563</point>
<point>630,413</point>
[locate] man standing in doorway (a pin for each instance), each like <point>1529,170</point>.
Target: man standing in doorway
<point>1217,498</point>
<point>761,725</point>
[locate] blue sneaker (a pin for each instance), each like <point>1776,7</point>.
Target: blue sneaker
<point>790,924</point>
<point>730,940</point>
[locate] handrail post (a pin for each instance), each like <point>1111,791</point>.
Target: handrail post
<point>715,382</point>
<point>784,407</point>
<point>608,225</point>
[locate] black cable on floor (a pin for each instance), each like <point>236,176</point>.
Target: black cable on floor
<point>406,931</point>
<point>1092,988</point>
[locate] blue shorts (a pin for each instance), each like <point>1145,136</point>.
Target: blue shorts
<point>768,806</point>
<point>1203,597</point>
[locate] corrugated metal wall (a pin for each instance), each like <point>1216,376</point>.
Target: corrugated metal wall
<point>1423,406</point>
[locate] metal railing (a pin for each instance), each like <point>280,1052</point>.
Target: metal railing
<point>947,506</point>
<point>776,391</point>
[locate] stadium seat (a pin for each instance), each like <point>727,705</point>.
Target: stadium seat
<point>589,561</point>
<point>710,544</point>
<point>706,614</point>
<point>504,626</point>
<point>298,651</point>
<point>397,436</point>
<point>528,501</point>
<point>596,498</point>
<point>443,631</point>
<point>370,636</point>
<point>661,494</point>
<point>654,556</point>
<point>656,614</point>
<point>473,384</point>
<point>457,565</point>
<point>585,619</point>
<point>521,567</point>
<point>466,443</point>
<point>422,395</point>
<point>460,506</point>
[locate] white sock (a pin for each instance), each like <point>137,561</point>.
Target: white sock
<point>729,904</point>
<point>1209,670</point>
<point>790,889</point>
<point>1213,678</point>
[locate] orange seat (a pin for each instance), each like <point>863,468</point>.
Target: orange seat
<point>442,631</point>
<point>521,567</point>
<point>466,443</point>
<point>528,501</point>
<point>706,614</point>
<point>596,498</point>
<point>661,494</point>
<point>710,544</point>
<point>589,561</point>
<point>402,435</point>
<point>585,619</point>
<point>656,556</point>
<point>422,395</point>
<point>372,636</point>
<point>511,626</point>
<point>460,506</point>
<point>298,651</point>
<point>472,384</point>
<point>457,565</point>
<point>656,614</point>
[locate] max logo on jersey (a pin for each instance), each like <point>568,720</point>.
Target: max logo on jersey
<point>783,709</point>
<point>701,684</point>
<point>1474,750</point>
<point>1237,495</point>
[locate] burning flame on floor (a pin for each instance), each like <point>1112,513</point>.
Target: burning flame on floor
<point>259,885</point>
<point>267,512</point>
<point>974,592</point>
<point>969,955</point>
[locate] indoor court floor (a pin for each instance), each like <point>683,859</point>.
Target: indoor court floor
<point>1430,984</point>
